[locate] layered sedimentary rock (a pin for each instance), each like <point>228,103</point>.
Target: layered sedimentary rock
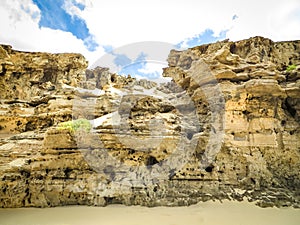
<point>228,127</point>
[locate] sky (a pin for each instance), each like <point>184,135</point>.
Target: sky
<point>102,30</point>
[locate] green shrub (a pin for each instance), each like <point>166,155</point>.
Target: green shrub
<point>75,125</point>
<point>290,68</point>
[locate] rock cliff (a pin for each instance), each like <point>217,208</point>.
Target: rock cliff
<point>227,127</point>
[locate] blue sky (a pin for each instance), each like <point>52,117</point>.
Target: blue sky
<point>96,28</point>
<point>205,37</point>
<point>55,15</point>
<point>138,66</point>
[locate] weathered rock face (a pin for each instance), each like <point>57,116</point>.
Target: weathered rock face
<point>27,75</point>
<point>261,144</point>
<point>229,128</point>
<point>30,81</point>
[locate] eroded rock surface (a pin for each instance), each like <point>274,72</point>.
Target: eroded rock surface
<point>228,128</point>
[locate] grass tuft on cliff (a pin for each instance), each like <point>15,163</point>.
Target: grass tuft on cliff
<point>75,125</point>
<point>291,68</point>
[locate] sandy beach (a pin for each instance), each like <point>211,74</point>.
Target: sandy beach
<point>212,213</point>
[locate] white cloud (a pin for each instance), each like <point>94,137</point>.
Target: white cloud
<point>271,19</point>
<point>285,25</point>
<point>14,14</point>
<point>153,68</point>
<point>118,22</point>
<point>122,22</point>
<point>23,32</point>
<point>72,9</point>
<point>87,3</point>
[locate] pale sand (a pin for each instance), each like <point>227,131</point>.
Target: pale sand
<point>212,213</point>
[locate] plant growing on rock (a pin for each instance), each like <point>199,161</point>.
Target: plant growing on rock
<point>291,68</point>
<point>75,125</point>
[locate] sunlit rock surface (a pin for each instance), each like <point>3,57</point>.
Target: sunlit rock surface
<point>228,128</point>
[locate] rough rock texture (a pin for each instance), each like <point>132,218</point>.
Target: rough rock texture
<point>228,129</point>
<point>261,150</point>
<point>30,81</point>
